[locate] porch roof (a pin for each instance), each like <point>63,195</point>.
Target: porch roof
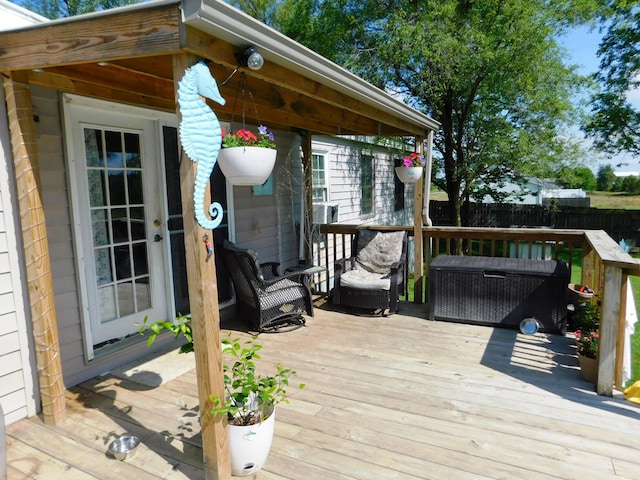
<point>125,55</point>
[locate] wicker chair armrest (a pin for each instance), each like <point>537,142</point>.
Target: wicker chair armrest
<point>344,264</point>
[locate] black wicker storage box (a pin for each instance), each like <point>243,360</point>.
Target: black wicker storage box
<point>498,291</point>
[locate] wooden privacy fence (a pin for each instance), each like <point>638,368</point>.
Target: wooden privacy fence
<point>619,224</point>
<point>605,266</point>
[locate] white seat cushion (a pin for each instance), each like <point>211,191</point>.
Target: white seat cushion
<point>365,280</point>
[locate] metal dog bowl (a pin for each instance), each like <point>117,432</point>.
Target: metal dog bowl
<point>124,447</point>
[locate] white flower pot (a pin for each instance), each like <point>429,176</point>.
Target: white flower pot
<point>247,165</point>
<point>249,446</point>
<point>409,174</point>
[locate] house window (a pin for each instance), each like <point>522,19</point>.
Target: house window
<point>398,189</point>
<point>366,184</point>
<point>319,178</point>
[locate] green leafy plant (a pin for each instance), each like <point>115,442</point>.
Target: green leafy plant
<point>587,330</point>
<point>181,326</point>
<point>587,343</point>
<point>246,138</point>
<point>248,394</point>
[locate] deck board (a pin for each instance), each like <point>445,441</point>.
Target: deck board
<point>396,397</point>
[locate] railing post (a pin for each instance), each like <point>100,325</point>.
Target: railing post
<point>609,318</point>
<point>418,257</point>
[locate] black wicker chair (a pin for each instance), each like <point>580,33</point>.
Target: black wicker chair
<point>264,298</point>
<point>374,276</point>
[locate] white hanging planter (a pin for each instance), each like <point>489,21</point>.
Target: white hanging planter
<point>247,165</point>
<point>249,445</point>
<point>409,174</point>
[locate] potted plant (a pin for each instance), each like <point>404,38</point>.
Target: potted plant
<point>411,169</point>
<point>250,397</point>
<point>246,158</point>
<point>587,338</point>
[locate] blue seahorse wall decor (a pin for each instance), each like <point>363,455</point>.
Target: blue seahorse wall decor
<point>200,135</point>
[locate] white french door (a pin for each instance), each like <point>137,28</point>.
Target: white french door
<point>115,166</point>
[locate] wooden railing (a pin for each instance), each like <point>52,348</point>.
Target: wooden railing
<point>605,267</point>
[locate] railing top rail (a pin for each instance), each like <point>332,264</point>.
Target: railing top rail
<point>516,233</point>
<point>610,252</point>
<point>526,234</point>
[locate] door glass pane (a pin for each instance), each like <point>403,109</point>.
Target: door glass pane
<point>116,187</point>
<point>137,224</point>
<point>97,194</point>
<point>107,303</point>
<point>103,266</point>
<point>119,225</point>
<point>134,186</point>
<point>126,305</point>
<point>113,142</point>
<point>93,146</point>
<point>100,227</point>
<point>140,265</point>
<point>143,294</point>
<point>132,150</point>
<point>123,262</point>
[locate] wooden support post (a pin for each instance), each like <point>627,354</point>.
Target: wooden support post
<point>621,337</point>
<point>36,247</point>
<point>307,166</point>
<point>418,255</point>
<point>609,329</point>
<point>205,315</point>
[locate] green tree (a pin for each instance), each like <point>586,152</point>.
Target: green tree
<point>605,178</point>
<point>67,8</point>
<point>577,177</point>
<point>615,125</point>
<point>491,72</point>
<point>631,184</point>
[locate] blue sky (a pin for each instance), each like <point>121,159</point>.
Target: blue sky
<point>582,46</point>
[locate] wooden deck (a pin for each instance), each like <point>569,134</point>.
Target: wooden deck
<point>386,398</point>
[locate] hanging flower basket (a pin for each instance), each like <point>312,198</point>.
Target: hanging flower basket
<point>409,174</point>
<point>247,165</point>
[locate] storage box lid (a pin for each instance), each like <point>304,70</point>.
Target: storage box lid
<point>499,264</point>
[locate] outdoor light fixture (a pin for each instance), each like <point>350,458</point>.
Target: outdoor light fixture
<point>250,57</point>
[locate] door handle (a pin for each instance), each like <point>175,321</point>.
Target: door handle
<point>157,238</point>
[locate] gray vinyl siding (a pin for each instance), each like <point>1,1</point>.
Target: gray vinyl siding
<point>267,223</point>
<point>17,381</point>
<point>17,358</point>
<point>343,157</point>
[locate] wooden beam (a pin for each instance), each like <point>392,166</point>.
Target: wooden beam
<point>609,329</point>
<point>418,248</point>
<point>65,84</point>
<point>223,53</point>
<point>621,338</point>
<point>36,248</point>
<point>132,33</point>
<point>307,166</point>
<point>205,316</point>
